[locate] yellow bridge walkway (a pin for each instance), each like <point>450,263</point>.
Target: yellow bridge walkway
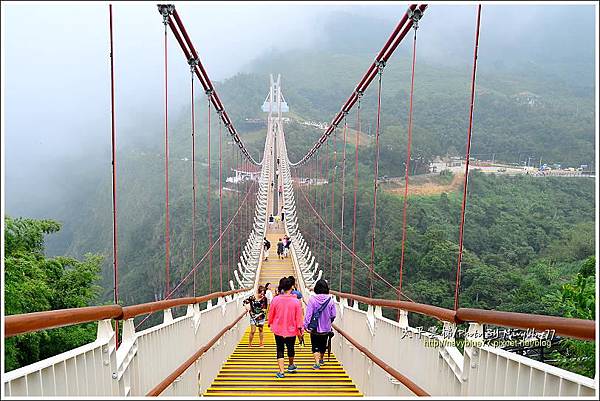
<point>250,371</point>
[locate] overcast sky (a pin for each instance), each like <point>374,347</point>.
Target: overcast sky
<point>56,65</point>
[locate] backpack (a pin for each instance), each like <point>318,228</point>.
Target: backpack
<point>314,319</point>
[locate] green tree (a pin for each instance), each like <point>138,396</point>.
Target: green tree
<point>577,299</point>
<point>35,283</point>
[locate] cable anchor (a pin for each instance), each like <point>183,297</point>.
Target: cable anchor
<point>166,10</point>
<point>380,66</point>
<point>415,15</point>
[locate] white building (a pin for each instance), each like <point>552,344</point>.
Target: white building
<point>243,175</point>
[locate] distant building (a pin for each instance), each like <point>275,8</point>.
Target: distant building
<point>244,175</point>
<point>527,98</point>
<point>454,161</point>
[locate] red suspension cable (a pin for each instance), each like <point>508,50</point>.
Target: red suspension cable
<point>167,238</point>
<point>324,195</point>
<point>208,203</point>
<point>333,198</point>
<point>355,189</point>
<point>238,223</point>
<point>316,182</point>
<point>114,175</point>
<point>220,204</point>
<point>408,149</point>
<point>227,212</point>
<point>343,197</point>
<point>466,179</point>
<point>375,181</point>
<point>193,183</point>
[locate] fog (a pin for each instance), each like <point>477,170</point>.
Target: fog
<point>57,77</point>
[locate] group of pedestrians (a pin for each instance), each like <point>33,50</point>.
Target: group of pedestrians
<point>275,220</point>
<point>283,247</point>
<point>288,322</point>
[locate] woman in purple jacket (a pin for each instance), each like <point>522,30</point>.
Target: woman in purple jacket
<point>323,302</point>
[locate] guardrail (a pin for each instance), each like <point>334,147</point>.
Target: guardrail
<point>566,327</point>
<point>31,322</point>
<point>144,358</point>
<point>412,386</point>
<point>160,387</point>
<point>432,360</point>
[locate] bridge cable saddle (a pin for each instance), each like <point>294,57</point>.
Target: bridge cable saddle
<point>193,62</point>
<point>166,10</point>
<point>415,15</point>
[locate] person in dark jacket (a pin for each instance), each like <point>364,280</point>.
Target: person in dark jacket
<point>287,244</point>
<point>295,291</point>
<point>322,334</point>
<point>266,245</point>
<point>280,249</point>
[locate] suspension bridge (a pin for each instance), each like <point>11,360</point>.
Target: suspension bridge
<point>204,351</point>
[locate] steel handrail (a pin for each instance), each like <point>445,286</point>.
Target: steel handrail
<point>424,309</point>
<point>581,329</point>
<point>160,387</point>
<point>568,327</point>
<point>31,322</point>
<point>409,384</point>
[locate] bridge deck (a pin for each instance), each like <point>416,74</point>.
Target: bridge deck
<point>250,372</point>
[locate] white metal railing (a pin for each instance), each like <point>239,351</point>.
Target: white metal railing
<point>143,359</point>
<point>442,370</point>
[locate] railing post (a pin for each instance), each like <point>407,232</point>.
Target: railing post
<point>128,330</point>
<point>109,354</point>
<point>371,319</point>
<point>190,310</point>
<point>403,318</point>
<point>167,316</point>
<point>473,341</point>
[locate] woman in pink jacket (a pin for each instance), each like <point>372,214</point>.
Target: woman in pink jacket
<point>285,320</point>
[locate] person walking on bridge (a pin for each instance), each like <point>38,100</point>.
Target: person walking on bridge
<point>285,320</point>
<point>280,249</point>
<point>268,294</point>
<point>295,291</point>
<point>257,306</point>
<point>320,313</point>
<point>267,245</point>
<point>288,242</point>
